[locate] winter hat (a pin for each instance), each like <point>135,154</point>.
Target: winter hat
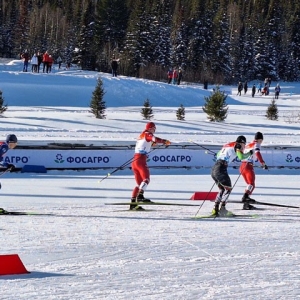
<point>241,139</point>
<point>259,136</point>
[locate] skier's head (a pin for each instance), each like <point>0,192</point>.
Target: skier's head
<point>150,127</point>
<point>241,139</point>
<point>12,141</point>
<point>258,136</point>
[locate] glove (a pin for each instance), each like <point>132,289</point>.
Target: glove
<point>265,167</point>
<point>251,152</point>
<point>11,167</point>
<point>167,143</point>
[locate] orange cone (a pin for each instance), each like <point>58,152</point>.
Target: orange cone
<point>11,264</point>
<point>211,196</point>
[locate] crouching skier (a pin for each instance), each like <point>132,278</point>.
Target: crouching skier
<point>139,163</point>
<point>10,143</point>
<point>220,175</point>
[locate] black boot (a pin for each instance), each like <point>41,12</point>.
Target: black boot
<point>132,207</point>
<point>246,198</point>
<point>135,206</point>
<point>248,206</point>
<point>141,198</point>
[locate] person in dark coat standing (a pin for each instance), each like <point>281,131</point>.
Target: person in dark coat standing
<point>277,91</point>
<point>25,57</point>
<point>240,88</point>
<point>179,76</point>
<point>245,87</point>
<point>253,90</point>
<point>114,66</point>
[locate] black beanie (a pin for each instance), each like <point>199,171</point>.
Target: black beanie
<point>241,139</point>
<point>258,136</point>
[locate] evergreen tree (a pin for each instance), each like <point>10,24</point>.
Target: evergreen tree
<point>86,55</point>
<point>110,30</point>
<point>180,113</point>
<point>272,111</point>
<point>97,104</point>
<point>215,106</point>
<point>147,111</point>
<point>3,107</point>
<point>139,41</point>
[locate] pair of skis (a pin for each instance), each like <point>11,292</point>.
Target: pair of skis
<point>196,205</point>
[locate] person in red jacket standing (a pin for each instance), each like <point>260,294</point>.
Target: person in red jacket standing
<point>247,170</point>
<point>139,163</point>
<point>46,62</point>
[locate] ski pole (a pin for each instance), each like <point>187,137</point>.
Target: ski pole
<point>204,200</point>
<point>207,150</point>
<point>5,171</point>
<point>117,169</point>
<point>128,162</point>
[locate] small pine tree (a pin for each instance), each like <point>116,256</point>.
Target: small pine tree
<point>215,106</point>
<point>97,103</point>
<point>3,107</point>
<point>146,111</point>
<point>272,111</point>
<point>180,113</point>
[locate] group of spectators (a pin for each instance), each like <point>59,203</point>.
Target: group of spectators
<point>263,90</point>
<point>37,59</point>
<point>174,76</point>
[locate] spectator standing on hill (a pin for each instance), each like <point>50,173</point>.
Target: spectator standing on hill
<point>170,76</point>
<point>174,76</point>
<point>240,88</point>
<point>179,76</point>
<point>259,87</point>
<point>114,66</point>
<point>277,91</point>
<point>45,62</point>
<point>40,60</point>
<point>25,57</point>
<point>50,63</point>
<point>34,63</point>
<point>59,61</point>
<point>245,87</point>
<point>253,90</point>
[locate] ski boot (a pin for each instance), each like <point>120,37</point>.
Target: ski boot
<point>141,198</point>
<point>247,200</point>
<point>215,211</point>
<point>3,211</point>
<point>223,211</point>
<point>248,206</point>
<point>135,206</point>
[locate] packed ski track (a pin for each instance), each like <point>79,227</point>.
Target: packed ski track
<point>90,250</point>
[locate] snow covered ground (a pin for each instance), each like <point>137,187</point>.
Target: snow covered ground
<point>88,250</point>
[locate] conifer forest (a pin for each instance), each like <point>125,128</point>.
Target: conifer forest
<point>220,41</point>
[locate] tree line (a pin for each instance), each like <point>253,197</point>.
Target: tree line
<point>220,41</point>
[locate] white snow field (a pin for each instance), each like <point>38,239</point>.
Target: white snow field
<point>83,249</point>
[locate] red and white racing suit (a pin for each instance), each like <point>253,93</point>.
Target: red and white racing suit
<point>139,164</point>
<point>246,167</point>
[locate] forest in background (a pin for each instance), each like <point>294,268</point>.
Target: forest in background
<point>219,41</point>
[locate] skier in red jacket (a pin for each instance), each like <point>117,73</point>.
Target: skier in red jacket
<point>247,170</point>
<point>139,164</point>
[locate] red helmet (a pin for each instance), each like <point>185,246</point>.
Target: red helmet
<point>150,125</point>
